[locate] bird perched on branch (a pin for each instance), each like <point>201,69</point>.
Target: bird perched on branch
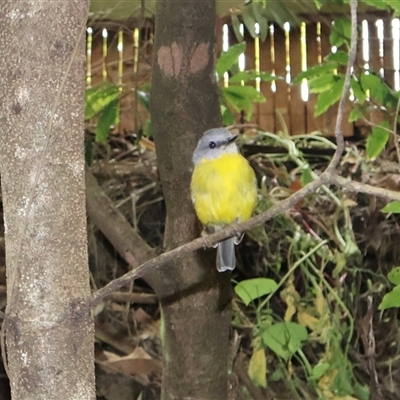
<point>223,188</point>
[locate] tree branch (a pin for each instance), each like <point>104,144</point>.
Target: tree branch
<point>329,177</point>
<point>204,242</point>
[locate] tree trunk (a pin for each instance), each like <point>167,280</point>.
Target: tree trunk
<point>48,326</point>
<point>195,298</point>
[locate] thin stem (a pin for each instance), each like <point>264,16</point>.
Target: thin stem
<point>346,90</point>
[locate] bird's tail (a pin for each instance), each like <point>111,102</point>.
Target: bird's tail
<point>226,260</point>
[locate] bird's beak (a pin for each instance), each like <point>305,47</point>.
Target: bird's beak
<point>232,139</point>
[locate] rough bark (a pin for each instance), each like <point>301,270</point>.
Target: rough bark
<point>195,298</point>
<point>48,325</point>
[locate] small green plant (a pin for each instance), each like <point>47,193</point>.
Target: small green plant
<point>102,102</point>
<point>240,95</point>
<point>392,298</point>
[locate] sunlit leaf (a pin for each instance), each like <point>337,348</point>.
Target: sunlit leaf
<point>377,140</point>
<point>380,4</point>
<point>251,289</point>
<point>306,176</point>
<point>319,370</point>
<point>394,276</point>
<point>392,207</point>
<point>227,116</point>
<point>355,115</point>
<point>317,70</point>
<point>98,98</point>
<point>243,76</point>
<point>268,77</point>
<point>378,89</point>
<point>391,299</point>
<point>229,58</point>
<point>330,97</point>
<point>358,91</point>
<point>321,83</point>
<point>340,32</point>
<point>241,98</point>
<point>109,117</point>
<point>320,3</point>
<point>340,57</point>
<point>285,338</point>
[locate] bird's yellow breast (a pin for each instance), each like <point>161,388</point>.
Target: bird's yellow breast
<point>224,190</point>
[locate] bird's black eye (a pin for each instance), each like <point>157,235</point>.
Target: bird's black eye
<point>212,145</point>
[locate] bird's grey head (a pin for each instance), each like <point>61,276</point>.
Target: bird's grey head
<point>213,144</point>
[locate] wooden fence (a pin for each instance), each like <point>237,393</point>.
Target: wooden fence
<point>123,56</point>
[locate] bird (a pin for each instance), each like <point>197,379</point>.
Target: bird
<point>223,189</point>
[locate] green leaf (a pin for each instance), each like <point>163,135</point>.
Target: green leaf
<point>252,75</point>
<point>394,276</point>
<point>268,77</point>
<point>319,370</point>
<point>315,71</point>
<point>319,3</point>
<point>285,338</point>
<point>377,140</point>
<point>98,98</point>
<point>109,117</point>
<point>249,19</point>
<point>243,76</point>
<point>391,299</point>
<point>340,32</point>
<point>358,91</point>
<point>281,14</point>
<point>227,116</point>
<point>395,5</point>
<point>321,83</point>
<point>380,4</point>
<point>241,98</point>
<point>392,207</point>
<point>330,97</point>
<point>306,176</point>
<point>251,289</point>
<point>355,115</point>
<point>262,20</point>
<point>378,89</point>
<point>340,57</point>
<point>236,27</point>
<point>229,58</point>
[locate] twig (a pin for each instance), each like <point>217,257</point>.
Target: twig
<point>354,186</point>
<point>366,327</point>
<point>346,90</point>
<point>235,229</point>
<point>202,242</point>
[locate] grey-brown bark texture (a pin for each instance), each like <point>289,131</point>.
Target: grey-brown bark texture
<point>195,298</point>
<point>48,326</point>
